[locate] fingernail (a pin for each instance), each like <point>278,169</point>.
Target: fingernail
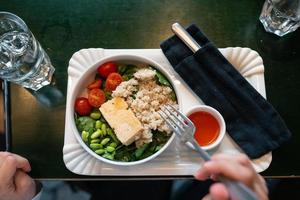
<point>209,163</point>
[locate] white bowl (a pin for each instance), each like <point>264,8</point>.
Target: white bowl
<point>219,119</point>
<point>88,76</point>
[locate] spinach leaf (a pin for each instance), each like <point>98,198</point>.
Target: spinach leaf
<point>173,96</point>
<point>139,151</point>
<point>107,95</point>
<point>122,69</point>
<point>125,153</point>
<point>85,123</point>
<point>162,80</point>
<point>128,71</point>
<point>160,137</point>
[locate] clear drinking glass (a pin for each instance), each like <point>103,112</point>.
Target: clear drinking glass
<point>280,16</point>
<point>22,59</point>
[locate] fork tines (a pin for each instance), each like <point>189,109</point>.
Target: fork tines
<point>176,120</point>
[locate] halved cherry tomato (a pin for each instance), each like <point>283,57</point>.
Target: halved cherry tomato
<point>96,97</point>
<point>82,106</point>
<point>112,81</point>
<point>96,84</point>
<point>107,68</point>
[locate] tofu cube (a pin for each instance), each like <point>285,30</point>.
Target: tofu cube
<point>121,118</point>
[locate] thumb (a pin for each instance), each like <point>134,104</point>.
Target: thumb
<point>218,191</point>
<point>8,170</point>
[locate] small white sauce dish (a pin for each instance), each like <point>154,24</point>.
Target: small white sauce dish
<point>218,117</point>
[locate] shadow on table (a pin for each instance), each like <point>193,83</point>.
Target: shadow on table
<point>150,190</point>
<point>49,96</point>
<point>97,190</point>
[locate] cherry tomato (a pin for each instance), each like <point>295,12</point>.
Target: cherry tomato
<point>96,97</point>
<point>96,84</point>
<point>112,81</point>
<point>82,106</point>
<point>107,68</point>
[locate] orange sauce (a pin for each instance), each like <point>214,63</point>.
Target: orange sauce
<point>207,127</point>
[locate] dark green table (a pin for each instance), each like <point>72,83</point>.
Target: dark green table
<point>64,27</point>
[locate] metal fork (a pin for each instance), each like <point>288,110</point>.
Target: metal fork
<point>184,128</point>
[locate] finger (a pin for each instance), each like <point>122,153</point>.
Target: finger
<point>218,191</point>
<point>22,163</point>
<point>262,195</point>
<point>231,170</point>
<point>239,158</point>
<point>262,184</point>
<point>260,188</point>
<point>25,185</point>
<point>207,197</point>
<point>202,174</point>
<point>8,170</point>
<point>3,156</point>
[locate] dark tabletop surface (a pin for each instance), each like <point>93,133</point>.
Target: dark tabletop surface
<point>64,27</point>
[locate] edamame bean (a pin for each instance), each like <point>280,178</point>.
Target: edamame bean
<point>98,124</point>
<point>105,141</point>
<point>100,151</point>
<point>95,141</point>
<point>96,134</point>
<point>112,135</point>
<point>85,136</point>
<point>95,115</point>
<point>108,156</point>
<point>96,146</point>
<point>103,129</point>
<point>113,144</point>
<point>110,149</point>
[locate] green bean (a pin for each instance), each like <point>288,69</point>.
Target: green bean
<point>85,136</point>
<point>113,144</point>
<point>95,115</point>
<point>98,124</point>
<point>96,134</point>
<point>100,151</point>
<point>110,149</point>
<point>96,146</point>
<point>103,129</point>
<point>95,141</point>
<point>105,141</point>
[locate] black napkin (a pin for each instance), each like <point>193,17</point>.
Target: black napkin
<point>251,121</point>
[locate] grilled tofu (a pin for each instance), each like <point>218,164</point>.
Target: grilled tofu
<point>121,118</point>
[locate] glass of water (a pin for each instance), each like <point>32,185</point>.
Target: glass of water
<point>22,59</point>
<point>280,16</point>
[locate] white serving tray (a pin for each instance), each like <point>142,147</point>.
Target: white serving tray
<point>177,159</point>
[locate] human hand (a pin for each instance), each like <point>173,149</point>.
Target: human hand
<point>15,184</point>
<point>235,167</point>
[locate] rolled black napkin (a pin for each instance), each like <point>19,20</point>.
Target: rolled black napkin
<point>251,121</point>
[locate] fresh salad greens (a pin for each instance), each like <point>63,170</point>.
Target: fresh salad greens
<point>102,140</point>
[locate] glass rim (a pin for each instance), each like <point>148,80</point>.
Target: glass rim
<point>14,18</point>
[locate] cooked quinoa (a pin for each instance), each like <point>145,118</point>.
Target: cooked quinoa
<point>145,97</point>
